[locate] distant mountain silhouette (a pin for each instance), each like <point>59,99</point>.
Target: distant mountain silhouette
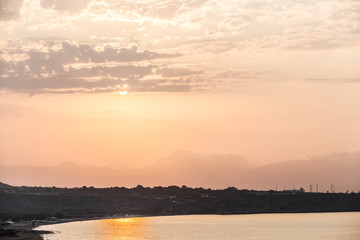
<point>198,170</point>
<point>4,186</point>
<point>343,173</point>
<point>63,174</point>
<point>187,168</point>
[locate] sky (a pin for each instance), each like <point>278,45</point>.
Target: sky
<point>124,83</point>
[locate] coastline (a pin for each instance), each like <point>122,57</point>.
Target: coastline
<point>23,231</point>
<point>27,231</point>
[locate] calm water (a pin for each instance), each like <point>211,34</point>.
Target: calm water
<point>313,226</point>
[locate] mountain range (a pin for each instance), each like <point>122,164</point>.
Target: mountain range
<point>199,170</point>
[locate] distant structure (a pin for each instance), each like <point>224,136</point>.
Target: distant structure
<point>310,188</point>
<point>294,191</point>
<point>317,188</point>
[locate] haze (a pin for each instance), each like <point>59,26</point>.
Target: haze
<point>124,84</point>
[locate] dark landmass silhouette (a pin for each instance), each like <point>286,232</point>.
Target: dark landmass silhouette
<point>30,203</point>
<point>199,170</point>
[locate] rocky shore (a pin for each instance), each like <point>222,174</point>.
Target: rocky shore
<point>21,231</point>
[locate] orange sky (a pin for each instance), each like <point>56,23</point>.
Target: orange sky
<point>268,80</point>
<point>271,122</point>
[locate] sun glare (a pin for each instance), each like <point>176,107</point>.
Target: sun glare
<point>123,92</point>
<point>124,220</point>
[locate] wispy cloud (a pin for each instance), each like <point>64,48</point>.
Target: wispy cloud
<point>206,42</point>
<point>65,5</point>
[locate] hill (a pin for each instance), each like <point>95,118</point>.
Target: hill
<point>197,170</point>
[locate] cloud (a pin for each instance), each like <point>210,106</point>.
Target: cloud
<point>217,41</point>
<point>36,85</point>
<point>10,9</point>
<point>159,9</point>
<point>67,66</point>
<point>176,72</point>
<point>60,85</point>
<point>54,61</point>
<point>69,53</point>
<point>334,80</point>
<point>239,74</point>
<point>70,6</point>
<point>160,87</point>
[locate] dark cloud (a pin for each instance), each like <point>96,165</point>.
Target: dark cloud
<point>70,6</point>
<point>75,78</point>
<point>118,72</point>
<point>59,85</point>
<point>54,61</point>
<point>83,68</point>
<point>38,84</point>
<point>9,9</point>
<point>84,53</point>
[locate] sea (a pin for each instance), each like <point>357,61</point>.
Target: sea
<point>291,226</point>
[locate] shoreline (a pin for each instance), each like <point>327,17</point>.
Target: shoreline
<point>25,230</point>
<point>29,231</point>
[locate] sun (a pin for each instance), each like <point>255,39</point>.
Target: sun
<point>123,92</point>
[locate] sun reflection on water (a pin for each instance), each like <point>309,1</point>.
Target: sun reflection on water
<point>125,220</point>
<point>125,228</point>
